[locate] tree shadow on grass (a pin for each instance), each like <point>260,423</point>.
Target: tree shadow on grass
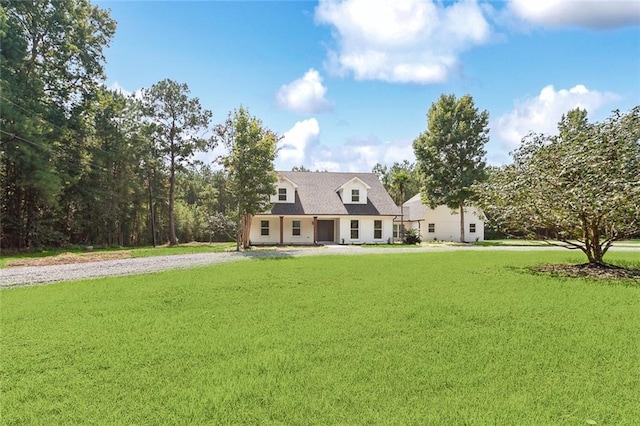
<point>627,275</point>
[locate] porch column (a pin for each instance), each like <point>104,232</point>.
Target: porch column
<point>281,230</point>
<point>315,229</point>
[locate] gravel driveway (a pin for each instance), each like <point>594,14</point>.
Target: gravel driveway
<point>33,275</point>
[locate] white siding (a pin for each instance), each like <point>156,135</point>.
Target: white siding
<point>291,191</point>
<point>346,192</point>
<point>274,234</point>
<point>365,230</point>
<point>305,237</point>
<point>342,230</point>
<point>306,230</point>
<point>447,225</point>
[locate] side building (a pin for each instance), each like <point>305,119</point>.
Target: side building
<point>327,208</point>
<point>442,223</point>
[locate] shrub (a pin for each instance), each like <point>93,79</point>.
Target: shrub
<point>412,236</point>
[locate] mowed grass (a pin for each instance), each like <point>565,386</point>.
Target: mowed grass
<point>410,338</point>
<point>77,253</point>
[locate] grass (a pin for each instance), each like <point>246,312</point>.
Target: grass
<point>183,249</point>
<point>396,245</point>
<point>79,253</point>
<point>414,338</point>
<point>516,242</point>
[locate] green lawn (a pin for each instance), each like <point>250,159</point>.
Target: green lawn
<point>408,338</point>
<point>395,245</point>
<point>516,242</point>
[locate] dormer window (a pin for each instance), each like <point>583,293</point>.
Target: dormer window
<point>284,191</point>
<point>353,191</point>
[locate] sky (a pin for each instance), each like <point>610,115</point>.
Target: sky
<point>348,83</point>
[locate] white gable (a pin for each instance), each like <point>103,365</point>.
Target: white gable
<point>285,191</point>
<point>354,191</point>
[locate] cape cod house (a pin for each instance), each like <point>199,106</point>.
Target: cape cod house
<point>441,223</point>
<point>326,207</point>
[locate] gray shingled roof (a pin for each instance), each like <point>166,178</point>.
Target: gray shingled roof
<point>317,195</point>
<point>414,209</point>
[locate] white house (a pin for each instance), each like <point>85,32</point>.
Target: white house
<point>326,207</point>
<point>442,223</point>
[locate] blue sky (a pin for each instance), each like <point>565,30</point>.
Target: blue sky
<point>348,83</point>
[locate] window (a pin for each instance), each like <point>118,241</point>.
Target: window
<point>355,195</point>
<point>354,229</point>
<point>431,227</point>
<point>395,230</point>
<point>472,228</point>
<point>377,229</point>
<point>264,227</point>
<point>296,227</point>
<point>282,194</point>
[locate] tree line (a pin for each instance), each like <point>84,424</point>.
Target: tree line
<point>82,164</point>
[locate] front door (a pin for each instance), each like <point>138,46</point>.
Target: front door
<point>325,230</point>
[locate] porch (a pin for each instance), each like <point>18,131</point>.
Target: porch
<point>296,230</point>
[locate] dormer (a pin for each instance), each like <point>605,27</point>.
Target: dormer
<point>354,191</point>
<point>285,191</point>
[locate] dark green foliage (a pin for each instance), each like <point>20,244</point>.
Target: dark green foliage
<point>412,236</point>
<point>79,164</point>
<point>248,166</point>
<point>176,121</point>
<point>51,65</point>
<point>401,180</point>
<point>451,154</point>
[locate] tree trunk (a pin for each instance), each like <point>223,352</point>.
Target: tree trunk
<point>595,254</point>
<point>401,230</point>
<point>172,184</point>
<point>246,229</point>
<point>152,217</point>
<point>462,239</point>
<point>239,231</point>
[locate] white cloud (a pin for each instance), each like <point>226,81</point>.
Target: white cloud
<point>118,88</point>
<point>304,95</point>
<point>296,142</point>
<point>360,155</point>
<point>401,41</point>
<point>301,146</point>
<point>542,113</point>
<point>595,14</point>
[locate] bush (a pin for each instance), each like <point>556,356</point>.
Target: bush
<point>412,236</point>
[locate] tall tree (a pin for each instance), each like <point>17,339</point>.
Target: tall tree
<point>51,64</point>
<point>581,187</point>
<point>249,166</point>
<point>400,180</point>
<point>111,197</point>
<point>197,201</point>
<point>178,122</point>
<point>451,154</point>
